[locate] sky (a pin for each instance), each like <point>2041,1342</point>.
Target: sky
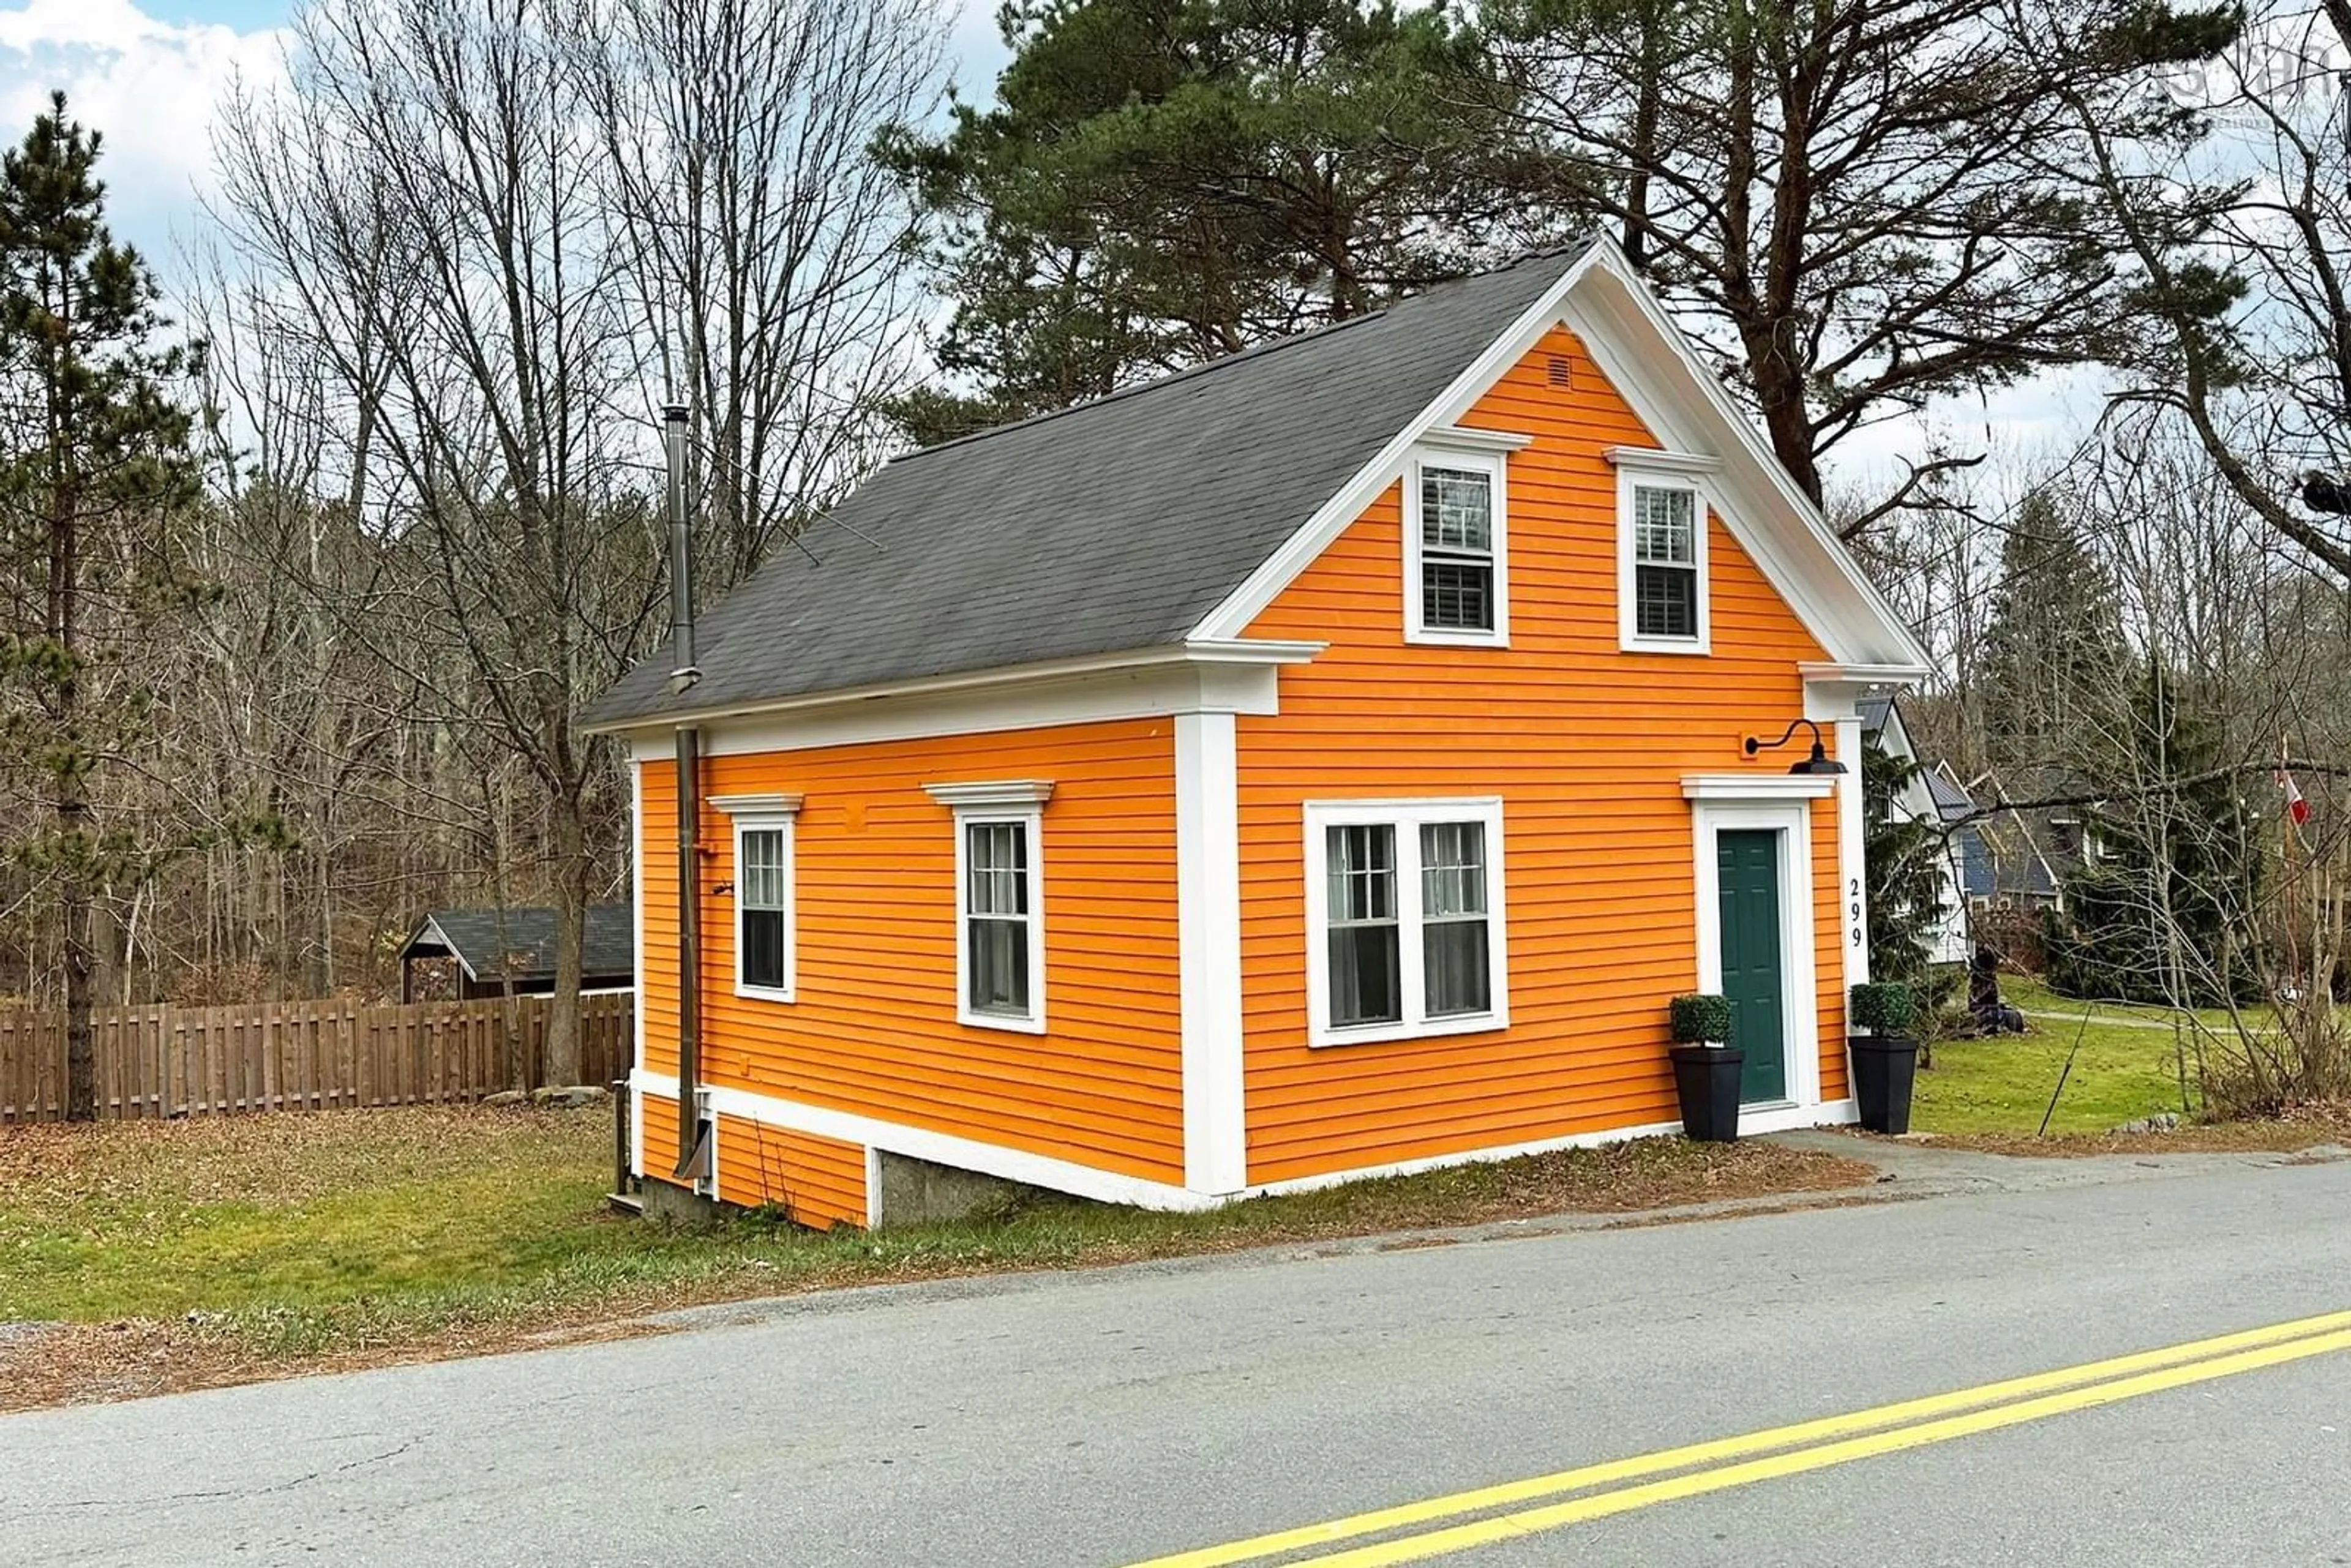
<point>151,73</point>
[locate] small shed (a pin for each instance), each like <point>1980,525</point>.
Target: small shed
<point>494,950</point>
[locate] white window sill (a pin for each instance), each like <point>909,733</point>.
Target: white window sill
<point>1684,645</point>
<point>1428,1029</point>
<point>1444,639</point>
<point>1013,1023</point>
<point>763,993</point>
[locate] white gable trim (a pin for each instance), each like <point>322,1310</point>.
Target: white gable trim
<point>1276,571</point>
<point>1686,408</point>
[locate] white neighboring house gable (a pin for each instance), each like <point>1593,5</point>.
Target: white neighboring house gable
<point>1947,941</point>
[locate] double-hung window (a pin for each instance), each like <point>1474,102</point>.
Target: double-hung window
<point>1661,581</point>
<point>999,902</point>
<point>766,946</point>
<point>1456,553</point>
<point>1405,923</point>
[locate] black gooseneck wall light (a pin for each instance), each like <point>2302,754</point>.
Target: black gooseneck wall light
<point>1820,761</point>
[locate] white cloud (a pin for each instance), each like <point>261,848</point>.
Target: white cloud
<point>153,88</point>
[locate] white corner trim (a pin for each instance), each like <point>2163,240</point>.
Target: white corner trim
<point>1768,788</point>
<point>754,805</point>
<point>1231,617</point>
<point>1461,438</point>
<point>1208,893</point>
<point>992,793</point>
<point>637,936</point>
<point>1655,460</point>
<point>1852,884</point>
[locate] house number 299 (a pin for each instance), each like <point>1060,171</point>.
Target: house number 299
<point>1855,909</point>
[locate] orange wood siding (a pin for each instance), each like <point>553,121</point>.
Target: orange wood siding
<point>657,1129</point>
<point>818,1182</point>
<point>873,1028</point>
<point>1586,745</point>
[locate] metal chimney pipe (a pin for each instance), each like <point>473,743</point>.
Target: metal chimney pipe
<point>683,670</point>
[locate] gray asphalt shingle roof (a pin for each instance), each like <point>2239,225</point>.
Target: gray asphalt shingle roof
<point>526,938</point>
<point>1113,526</point>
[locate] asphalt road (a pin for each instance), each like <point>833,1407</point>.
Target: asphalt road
<point>1102,1419</point>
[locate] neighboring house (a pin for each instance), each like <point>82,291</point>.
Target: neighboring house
<point>2020,855</point>
<point>1881,723</point>
<point>463,953</point>
<point>1324,762</point>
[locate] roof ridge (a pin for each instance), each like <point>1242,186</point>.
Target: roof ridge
<point>1254,351</point>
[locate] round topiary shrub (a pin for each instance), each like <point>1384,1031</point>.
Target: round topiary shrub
<point>1883,1008</point>
<point>1699,1020</point>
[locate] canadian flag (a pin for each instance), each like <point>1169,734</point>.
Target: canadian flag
<point>2297,807</point>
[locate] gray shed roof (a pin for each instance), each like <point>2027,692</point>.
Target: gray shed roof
<point>474,936</point>
<point>1874,710</point>
<point>1113,526</point>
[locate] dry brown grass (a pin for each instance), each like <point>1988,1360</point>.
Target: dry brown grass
<point>176,1256</point>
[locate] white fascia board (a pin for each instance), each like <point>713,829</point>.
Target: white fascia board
<point>1675,392</point>
<point>1190,651</point>
<point>1235,676</point>
<point>1231,618</point>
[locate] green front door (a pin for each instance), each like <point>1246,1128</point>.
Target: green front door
<point>1747,867</point>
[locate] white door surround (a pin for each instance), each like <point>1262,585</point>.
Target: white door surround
<point>1780,804</point>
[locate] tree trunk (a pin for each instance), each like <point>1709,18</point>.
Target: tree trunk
<point>73,914</point>
<point>571,874</point>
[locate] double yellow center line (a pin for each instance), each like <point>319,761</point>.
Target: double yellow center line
<point>1717,1466</point>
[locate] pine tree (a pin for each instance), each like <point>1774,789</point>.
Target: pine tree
<point>1166,182</point>
<point>2053,654</point>
<point>2162,911</point>
<point>1904,859</point>
<point>95,458</point>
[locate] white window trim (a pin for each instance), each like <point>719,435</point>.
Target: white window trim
<point>767,814</point>
<point>1467,459</point>
<point>1032,818</point>
<point>1661,471</point>
<point>1406,816</point>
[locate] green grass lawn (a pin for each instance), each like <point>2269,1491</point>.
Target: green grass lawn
<point>329,1233</point>
<point>2122,1073</point>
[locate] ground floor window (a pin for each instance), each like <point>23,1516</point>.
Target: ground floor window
<point>1404,911</point>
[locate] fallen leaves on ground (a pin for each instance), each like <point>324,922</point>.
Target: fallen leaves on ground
<point>135,1196</point>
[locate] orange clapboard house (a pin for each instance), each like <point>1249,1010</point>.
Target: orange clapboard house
<point>1324,762</point>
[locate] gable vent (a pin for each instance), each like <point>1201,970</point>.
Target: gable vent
<point>1559,375</point>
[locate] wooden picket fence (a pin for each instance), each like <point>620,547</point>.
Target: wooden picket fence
<point>303,1056</point>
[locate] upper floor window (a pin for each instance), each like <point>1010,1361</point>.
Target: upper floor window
<point>1457,560</point>
<point>1661,568</point>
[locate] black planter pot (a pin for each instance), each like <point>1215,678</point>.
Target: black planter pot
<point>1884,1069</point>
<point>1706,1076</point>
